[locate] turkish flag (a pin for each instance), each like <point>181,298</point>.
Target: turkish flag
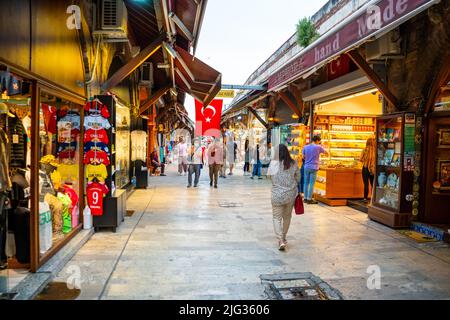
<point>207,119</point>
<point>339,67</point>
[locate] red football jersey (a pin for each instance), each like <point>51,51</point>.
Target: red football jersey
<point>95,192</point>
<point>95,156</point>
<point>96,107</point>
<point>99,135</point>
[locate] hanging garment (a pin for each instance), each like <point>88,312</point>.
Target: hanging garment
<point>56,209</point>
<point>17,142</point>
<point>66,212</point>
<point>99,135</point>
<point>95,107</point>
<point>98,172</point>
<point>49,115</point>
<point>95,193</point>
<point>96,122</point>
<point>45,227</point>
<point>96,157</point>
<point>138,145</point>
<point>96,146</point>
<point>5,181</point>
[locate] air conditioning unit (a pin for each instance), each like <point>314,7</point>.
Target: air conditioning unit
<point>113,20</point>
<point>146,74</point>
<point>386,47</point>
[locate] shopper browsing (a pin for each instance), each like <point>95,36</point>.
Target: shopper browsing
<point>311,154</point>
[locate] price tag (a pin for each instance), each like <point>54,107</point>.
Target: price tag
<point>15,139</point>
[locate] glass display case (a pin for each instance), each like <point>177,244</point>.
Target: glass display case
<point>393,183</point>
<point>344,138</point>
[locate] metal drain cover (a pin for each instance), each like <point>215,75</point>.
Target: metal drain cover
<point>298,286</point>
<point>228,204</point>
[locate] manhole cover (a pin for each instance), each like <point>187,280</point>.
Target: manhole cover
<point>298,286</point>
<point>228,204</point>
<point>58,291</point>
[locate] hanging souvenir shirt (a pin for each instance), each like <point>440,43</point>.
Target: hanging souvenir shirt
<point>71,146</point>
<point>96,157</point>
<point>27,125</point>
<point>68,172</point>
<point>45,227</point>
<point>95,107</point>
<point>49,118</point>
<point>73,118</point>
<point>72,195</point>
<point>67,136</point>
<point>95,193</point>
<point>100,146</point>
<point>99,135</point>
<point>56,209</point>
<point>66,212</point>
<point>99,172</point>
<point>96,122</point>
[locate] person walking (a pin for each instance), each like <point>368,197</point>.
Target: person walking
<point>215,161</point>
<point>182,157</point>
<point>368,169</point>
<point>247,158</point>
<point>257,165</point>
<point>223,167</point>
<point>195,159</point>
<point>311,154</point>
<point>285,176</point>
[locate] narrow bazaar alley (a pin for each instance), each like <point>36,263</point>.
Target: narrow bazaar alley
<point>206,243</point>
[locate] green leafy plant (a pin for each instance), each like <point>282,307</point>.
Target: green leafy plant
<point>306,32</point>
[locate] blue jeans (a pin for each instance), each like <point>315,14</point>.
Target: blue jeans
<point>257,169</point>
<point>310,180</point>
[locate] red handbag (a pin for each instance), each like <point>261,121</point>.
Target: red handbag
<point>299,208</point>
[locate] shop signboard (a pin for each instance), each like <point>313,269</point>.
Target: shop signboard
<point>409,142</point>
<point>227,94</point>
<point>378,17</point>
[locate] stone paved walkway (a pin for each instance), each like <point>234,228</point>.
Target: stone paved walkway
<point>181,244</point>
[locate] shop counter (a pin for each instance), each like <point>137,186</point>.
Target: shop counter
<point>335,185</point>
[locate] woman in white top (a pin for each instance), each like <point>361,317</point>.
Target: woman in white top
<point>195,160</point>
<point>285,176</point>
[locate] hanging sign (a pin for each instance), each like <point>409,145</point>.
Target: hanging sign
<point>227,94</point>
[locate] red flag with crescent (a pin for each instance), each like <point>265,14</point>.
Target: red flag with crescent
<point>207,119</point>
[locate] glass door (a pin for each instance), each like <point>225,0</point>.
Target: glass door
<point>389,151</point>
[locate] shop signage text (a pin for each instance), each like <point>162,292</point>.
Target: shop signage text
<point>376,17</point>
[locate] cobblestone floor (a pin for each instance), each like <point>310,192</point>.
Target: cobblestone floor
<point>181,244</point>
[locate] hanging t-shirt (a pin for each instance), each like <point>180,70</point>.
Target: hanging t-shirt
<point>73,118</point>
<point>67,154</point>
<point>49,118</point>
<point>66,212</point>
<point>26,121</point>
<point>138,145</point>
<point>72,195</point>
<point>68,172</point>
<point>96,122</point>
<point>100,146</point>
<point>98,172</point>
<point>99,135</point>
<point>95,193</point>
<point>56,208</point>
<point>71,146</point>
<point>45,227</point>
<point>96,157</point>
<point>67,136</point>
<point>95,107</point>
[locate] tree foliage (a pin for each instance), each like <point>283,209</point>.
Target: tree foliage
<point>306,32</point>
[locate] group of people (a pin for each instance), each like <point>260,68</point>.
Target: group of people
<point>283,171</point>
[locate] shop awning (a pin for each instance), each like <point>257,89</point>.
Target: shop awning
<point>353,82</point>
<point>351,33</point>
<point>196,77</point>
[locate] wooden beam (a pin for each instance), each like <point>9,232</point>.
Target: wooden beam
<point>257,116</point>
<point>441,80</point>
<point>158,94</point>
<point>373,77</point>
<point>290,104</point>
<point>298,97</point>
<point>133,64</point>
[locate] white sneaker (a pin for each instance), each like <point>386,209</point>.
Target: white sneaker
<point>282,246</point>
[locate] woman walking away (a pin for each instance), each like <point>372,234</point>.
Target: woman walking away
<point>257,164</point>
<point>285,176</point>
<point>247,158</point>
<point>368,169</point>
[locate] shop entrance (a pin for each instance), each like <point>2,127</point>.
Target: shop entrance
<point>347,127</point>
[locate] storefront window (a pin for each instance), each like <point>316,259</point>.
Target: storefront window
<point>122,173</point>
<point>441,182</point>
<point>389,151</point>
<point>59,174</point>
